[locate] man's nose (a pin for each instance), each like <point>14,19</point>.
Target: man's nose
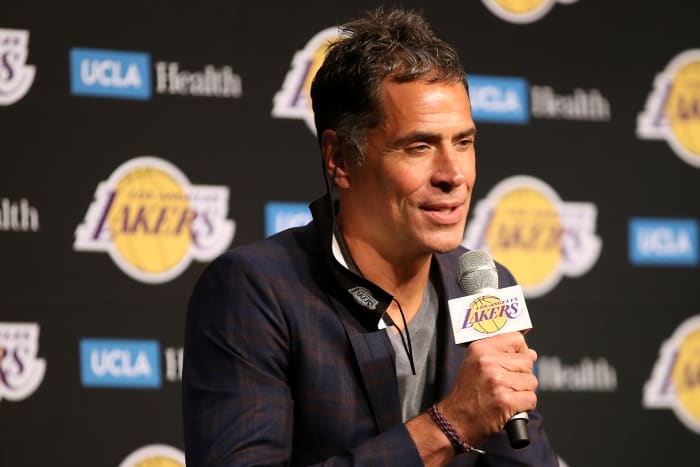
<point>448,171</point>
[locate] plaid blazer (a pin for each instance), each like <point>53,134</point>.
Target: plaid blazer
<point>282,366</point>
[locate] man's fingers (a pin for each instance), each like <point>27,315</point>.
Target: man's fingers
<point>511,342</point>
<point>520,363</point>
<point>522,382</point>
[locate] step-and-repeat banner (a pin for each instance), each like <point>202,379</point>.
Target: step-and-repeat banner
<point>140,140</point>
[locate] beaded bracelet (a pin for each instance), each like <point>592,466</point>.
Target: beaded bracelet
<point>451,433</point>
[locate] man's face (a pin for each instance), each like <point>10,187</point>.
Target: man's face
<point>411,194</point>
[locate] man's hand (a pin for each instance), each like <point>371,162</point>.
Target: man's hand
<point>494,382</point>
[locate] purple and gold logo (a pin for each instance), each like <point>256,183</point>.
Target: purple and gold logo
<point>294,99</point>
<point>488,314</point>
<point>16,77</point>
<point>522,11</point>
<point>153,222</point>
<point>21,371</point>
<point>155,455</point>
<point>524,224</point>
<point>675,379</point>
<point>672,110</point>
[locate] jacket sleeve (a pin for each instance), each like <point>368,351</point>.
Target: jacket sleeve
<point>238,406</point>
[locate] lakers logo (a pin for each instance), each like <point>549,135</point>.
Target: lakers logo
<point>675,379</point>
<point>524,224</point>
<point>522,11</point>
<point>21,370</point>
<point>488,314</point>
<point>16,76</point>
<point>673,108</point>
<point>294,100</point>
<point>155,455</point>
<point>153,223</point>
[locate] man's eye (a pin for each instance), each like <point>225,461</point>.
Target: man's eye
<point>418,148</point>
<point>464,143</point>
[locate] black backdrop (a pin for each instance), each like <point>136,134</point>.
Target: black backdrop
<point>599,333</point>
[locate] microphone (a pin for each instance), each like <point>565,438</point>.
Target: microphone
<point>477,275</point>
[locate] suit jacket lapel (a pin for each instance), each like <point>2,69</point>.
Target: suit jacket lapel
<point>359,304</point>
<point>375,360</point>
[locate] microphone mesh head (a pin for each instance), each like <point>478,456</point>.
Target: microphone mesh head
<point>476,271</point>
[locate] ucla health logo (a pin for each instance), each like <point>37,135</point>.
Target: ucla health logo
<point>664,242</point>
<point>505,99</point>
<point>675,379</point>
<point>21,371</point>
<point>587,375</point>
<point>672,110</point>
<point>155,455</point>
<point>16,77</point>
<point>153,222</point>
<point>282,215</point>
<point>294,99</point>
<point>526,226</point>
<point>110,73</point>
<point>18,216</point>
<point>499,99</point>
<point>120,363</point>
<point>522,11</point>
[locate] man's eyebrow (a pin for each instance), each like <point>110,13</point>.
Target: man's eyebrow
<point>430,137</point>
<point>471,132</point>
<point>416,136</point>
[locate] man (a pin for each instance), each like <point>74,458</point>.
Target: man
<point>331,343</point>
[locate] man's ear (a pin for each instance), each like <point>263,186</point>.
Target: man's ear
<point>335,158</point>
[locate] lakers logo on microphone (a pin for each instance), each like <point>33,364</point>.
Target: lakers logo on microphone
<point>488,314</point>
<point>294,100</point>
<point>524,224</point>
<point>675,379</point>
<point>153,222</point>
<point>522,11</point>
<point>672,110</point>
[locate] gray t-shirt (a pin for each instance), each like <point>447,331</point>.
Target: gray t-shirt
<point>416,391</point>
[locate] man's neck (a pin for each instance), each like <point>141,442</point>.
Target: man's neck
<point>405,278</point>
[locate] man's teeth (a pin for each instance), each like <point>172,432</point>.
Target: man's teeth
<point>442,210</point>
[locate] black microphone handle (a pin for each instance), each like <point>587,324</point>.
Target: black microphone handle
<point>516,428</point>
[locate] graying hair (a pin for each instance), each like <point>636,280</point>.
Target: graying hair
<point>398,45</point>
